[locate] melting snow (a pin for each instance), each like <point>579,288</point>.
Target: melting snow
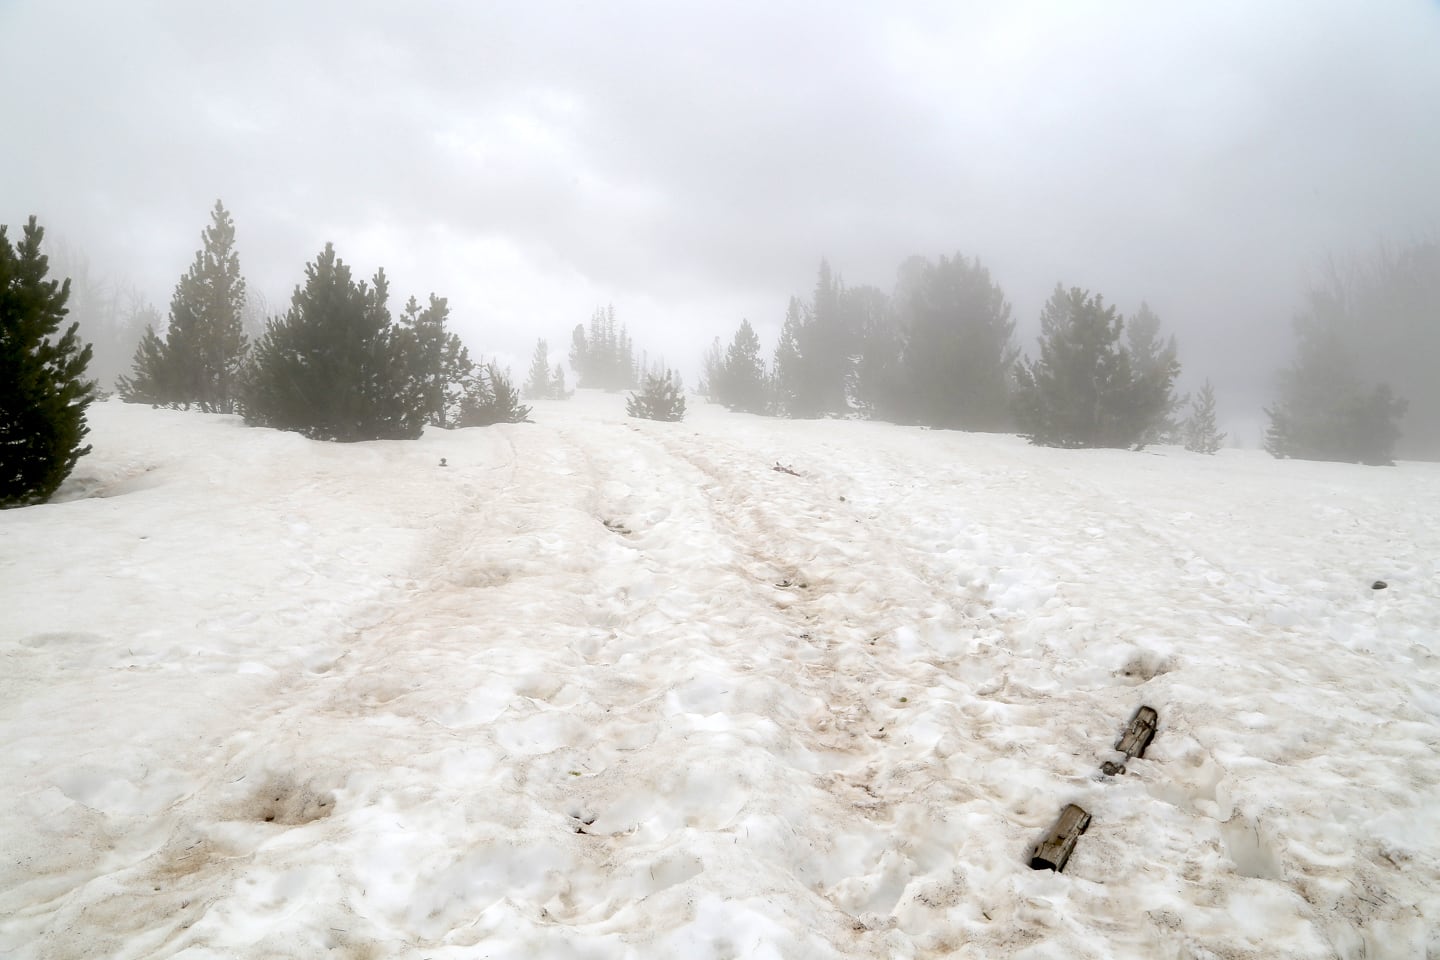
<point>610,688</point>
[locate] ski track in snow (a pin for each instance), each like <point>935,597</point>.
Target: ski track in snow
<point>612,688</point>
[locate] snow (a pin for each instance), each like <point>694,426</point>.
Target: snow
<point>610,688</point>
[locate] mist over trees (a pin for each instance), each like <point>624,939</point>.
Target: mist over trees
<point>44,387</point>
<point>940,352</point>
<point>112,314</point>
<point>603,357</point>
<point>956,341</point>
<point>1362,387</point>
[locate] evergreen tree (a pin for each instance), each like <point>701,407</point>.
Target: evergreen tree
<point>43,388</point>
<point>1200,431</point>
<point>205,347</point>
<point>335,367</point>
<point>712,370</point>
<point>579,354</point>
<point>558,389</point>
<point>827,346</point>
<point>539,385</point>
<point>742,384</point>
<point>959,348</point>
<point>790,379</point>
<point>1083,391</point>
<point>491,399</point>
<point>151,381</point>
<point>662,399</point>
<point>1361,328</point>
<point>1155,365</point>
<point>437,363</point>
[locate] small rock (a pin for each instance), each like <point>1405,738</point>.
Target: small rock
<point>443,463</point>
<point>1379,585</point>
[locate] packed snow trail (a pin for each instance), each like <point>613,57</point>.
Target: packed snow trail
<point>605,687</point>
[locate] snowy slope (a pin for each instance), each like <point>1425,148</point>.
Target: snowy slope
<point>607,688</point>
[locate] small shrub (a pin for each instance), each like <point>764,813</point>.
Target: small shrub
<point>492,398</point>
<point>660,400</point>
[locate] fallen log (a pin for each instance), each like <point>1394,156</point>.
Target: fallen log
<point>1054,851</point>
<point>1139,733</point>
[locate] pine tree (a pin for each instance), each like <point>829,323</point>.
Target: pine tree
<point>712,370</point>
<point>959,347</point>
<point>1200,431</point>
<point>1155,365</point>
<point>539,385</point>
<point>43,388</point>
<point>790,377</point>
<point>558,389</point>
<point>603,358</point>
<point>334,367</point>
<point>205,346</point>
<point>1083,391</point>
<point>1354,329</point>
<point>437,363</point>
<point>662,399</point>
<point>742,384</point>
<point>151,381</point>
<point>491,399</point>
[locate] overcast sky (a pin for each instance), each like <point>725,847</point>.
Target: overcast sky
<point>691,163</point>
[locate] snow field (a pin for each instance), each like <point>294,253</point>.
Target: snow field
<point>611,688</point>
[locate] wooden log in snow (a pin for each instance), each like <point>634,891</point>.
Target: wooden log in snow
<point>1139,733</point>
<point>1054,851</point>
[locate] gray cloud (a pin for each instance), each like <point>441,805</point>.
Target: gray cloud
<point>692,163</point>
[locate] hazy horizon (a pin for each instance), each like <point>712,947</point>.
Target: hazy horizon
<point>692,165</point>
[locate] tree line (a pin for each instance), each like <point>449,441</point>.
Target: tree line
<point>940,351</point>
<point>336,365</point>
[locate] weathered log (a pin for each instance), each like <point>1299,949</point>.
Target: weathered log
<point>1139,733</point>
<point>1054,851</point>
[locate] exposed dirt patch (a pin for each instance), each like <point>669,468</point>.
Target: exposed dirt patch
<point>287,802</point>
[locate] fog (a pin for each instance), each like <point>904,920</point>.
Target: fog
<point>691,165</point>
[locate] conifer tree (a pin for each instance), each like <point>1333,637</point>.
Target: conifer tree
<point>790,396</point>
<point>712,369</point>
<point>1083,391</point>
<point>151,381</point>
<point>1155,365</point>
<point>661,399</point>
<point>742,378</point>
<point>43,388</point>
<point>539,385</point>
<point>959,347</point>
<point>204,349</point>
<point>334,367</point>
<point>1356,329</point>
<point>558,388</point>
<point>437,363</point>
<point>605,356</point>
<point>491,399</point>
<point>1200,431</point>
